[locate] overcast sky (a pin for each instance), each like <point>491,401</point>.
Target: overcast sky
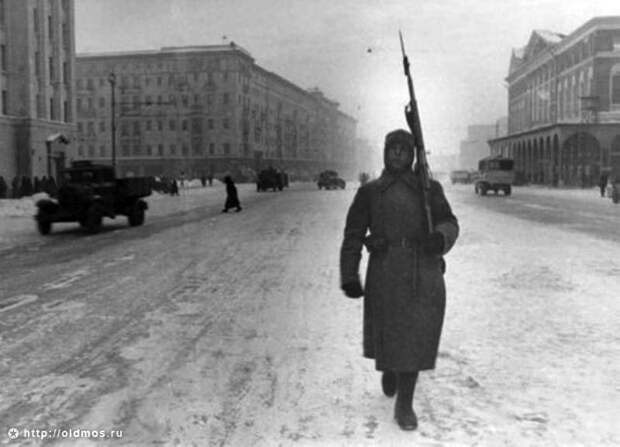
<point>459,50</point>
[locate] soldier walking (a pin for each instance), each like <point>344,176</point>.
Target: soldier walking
<point>404,294</point>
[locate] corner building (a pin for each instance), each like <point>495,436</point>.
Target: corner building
<point>37,54</point>
<point>204,110</point>
<point>564,105</point>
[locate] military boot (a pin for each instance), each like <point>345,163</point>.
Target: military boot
<point>388,383</point>
<point>403,408</point>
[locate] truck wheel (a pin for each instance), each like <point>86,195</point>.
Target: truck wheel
<point>93,220</point>
<point>136,216</point>
<point>44,226</point>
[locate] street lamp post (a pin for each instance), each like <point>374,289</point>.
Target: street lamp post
<point>112,81</point>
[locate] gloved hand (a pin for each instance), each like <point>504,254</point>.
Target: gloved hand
<point>433,244</point>
<point>353,289</point>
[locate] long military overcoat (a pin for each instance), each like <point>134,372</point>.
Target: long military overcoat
<point>404,291</point>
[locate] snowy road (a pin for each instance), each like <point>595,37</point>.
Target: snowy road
<point>230,330</point>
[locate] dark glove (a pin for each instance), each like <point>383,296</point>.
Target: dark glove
<point>353,289</point>
<point>433,244</point>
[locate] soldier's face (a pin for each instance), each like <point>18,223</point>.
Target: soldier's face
<point>398,157</point>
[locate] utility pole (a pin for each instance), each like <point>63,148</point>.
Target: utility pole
<point>112,81</point>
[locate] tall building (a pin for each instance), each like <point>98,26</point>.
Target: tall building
<point>476,146</point>
<point>37,48</point>
<point>201,110</point>
<point>564,104</point>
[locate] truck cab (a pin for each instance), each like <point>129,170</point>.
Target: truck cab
<point>495,173</point>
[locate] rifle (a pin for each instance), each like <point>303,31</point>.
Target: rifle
<point>413,120</point>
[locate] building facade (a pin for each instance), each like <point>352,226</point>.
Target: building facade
<point>475,146</point>
<point>564,105</point>
<point>204,110</point>
<point>37,48</point>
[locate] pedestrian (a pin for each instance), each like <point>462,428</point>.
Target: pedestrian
<point>232,199</point>
<point>602,183</point>
<point>210,179</point>
<point>404,292</point>
<point>52,186</point>
<point>26,186</point>
<point>3,188</point>
<point>174,187</point>
<point>15,188</point>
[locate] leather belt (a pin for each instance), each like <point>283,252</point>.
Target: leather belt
<point>403,242</point>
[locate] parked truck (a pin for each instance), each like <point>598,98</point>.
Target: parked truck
<point>89,192</point>
<point>495,173</point>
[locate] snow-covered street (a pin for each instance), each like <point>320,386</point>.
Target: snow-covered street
<point>202,328</point>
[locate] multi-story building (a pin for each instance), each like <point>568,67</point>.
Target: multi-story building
<point>37,48</point>
<point>475,146</point>
<point>204,109</point>
<point>564,104</point>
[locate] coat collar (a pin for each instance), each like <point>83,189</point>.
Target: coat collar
<point>409,178</point>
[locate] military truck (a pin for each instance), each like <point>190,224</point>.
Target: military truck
<point>495,173</point>
<point>89,192</point>
<point>269,178</point>
<point>330,180</point>
<point>459,176</point>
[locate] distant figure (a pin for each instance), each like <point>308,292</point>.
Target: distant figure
<point>26,186</point>
<point>52,188</point>
<point>232,199</point>
<point>43,184</point>
<point>15,190</point>
<point>174,188</point>
<point>203,180</point>
<point>602,183</point>
<point>210,179</point>
<point>3,188</point>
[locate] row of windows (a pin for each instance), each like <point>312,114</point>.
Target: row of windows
<point>139,81</point>
<point>136,127</point>
<point>151,150</point>
<point>136,101</point>
<point>572,98</point>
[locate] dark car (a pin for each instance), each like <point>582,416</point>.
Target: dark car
<point>329,180</point>
<point>90,192</point>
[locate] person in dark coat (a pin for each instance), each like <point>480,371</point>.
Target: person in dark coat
<point>232,199</point>
<point>404,294</point>
<point>174,187</point>
<point>26,186</point>
<point>3,188</point>
<point>52,187</point>
<point>602,183</point>
<point>15,188</point>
